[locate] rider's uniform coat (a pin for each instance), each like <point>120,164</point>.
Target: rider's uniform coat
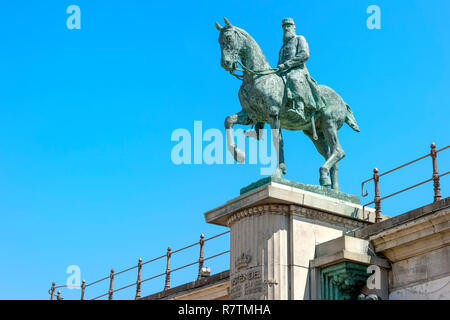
<point>299,84</point>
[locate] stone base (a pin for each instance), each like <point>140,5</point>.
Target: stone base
<point>274,232</point>
<point>307,187</point>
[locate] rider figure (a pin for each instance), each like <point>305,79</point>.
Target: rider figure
<point>302,90</point>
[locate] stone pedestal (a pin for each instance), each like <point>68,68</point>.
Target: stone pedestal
<point>275,227</point>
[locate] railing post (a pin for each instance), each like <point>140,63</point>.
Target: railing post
<point>138,282</point>
<point>167,283</point>
<point>52,294</point>
<point>111,278</point>
<point>437,186</point>
<point>376,179</point>
<point>83,287</point>
<point>201,259</point>
<point>58,295</point>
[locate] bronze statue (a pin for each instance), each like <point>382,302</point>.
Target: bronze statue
<point>265,98</point>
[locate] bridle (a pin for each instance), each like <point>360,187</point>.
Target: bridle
<point>246,69</point>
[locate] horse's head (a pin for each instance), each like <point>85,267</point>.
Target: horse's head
<point>230,45</point>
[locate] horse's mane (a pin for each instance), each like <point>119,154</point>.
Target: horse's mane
<point>253,50</point>
<point>245,34</point>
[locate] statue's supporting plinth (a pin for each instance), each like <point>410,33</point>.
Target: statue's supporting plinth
<point>274,232</point>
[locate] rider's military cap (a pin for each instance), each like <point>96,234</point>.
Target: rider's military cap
<point>287,21</point>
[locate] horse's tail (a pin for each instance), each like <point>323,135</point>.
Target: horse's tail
<point>350,119</point>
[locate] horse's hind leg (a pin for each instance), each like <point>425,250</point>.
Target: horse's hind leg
<point>336,154</point>
<point>320,144</point>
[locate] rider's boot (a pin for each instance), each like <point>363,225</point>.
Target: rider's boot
<point>299,109</point>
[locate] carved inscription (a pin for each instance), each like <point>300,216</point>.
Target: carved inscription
<point>246,283</point>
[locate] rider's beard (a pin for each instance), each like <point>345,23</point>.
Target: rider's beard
<point>288,35</point>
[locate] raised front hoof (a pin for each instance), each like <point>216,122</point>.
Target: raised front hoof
<point>239,155</point>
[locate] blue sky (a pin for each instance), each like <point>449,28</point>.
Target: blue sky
<point>86,118</point>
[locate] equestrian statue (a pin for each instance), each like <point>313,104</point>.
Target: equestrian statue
<point>286,97</point>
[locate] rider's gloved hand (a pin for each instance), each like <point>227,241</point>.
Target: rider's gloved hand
<point>281,67</point>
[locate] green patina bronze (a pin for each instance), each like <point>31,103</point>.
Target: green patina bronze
<point>307,187</point>
<point>343,281</point>
<point>285,98</point>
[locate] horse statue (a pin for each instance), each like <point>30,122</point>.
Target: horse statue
<point>263,100</point>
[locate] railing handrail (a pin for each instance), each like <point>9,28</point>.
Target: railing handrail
<point>167,273</point>
<point>376,176</point>
<point>154,277</point>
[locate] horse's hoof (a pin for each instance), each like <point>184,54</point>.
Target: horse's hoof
<point>283,168</point>
<point>277,173</point>
<point>239,155</point>
<point>325,181</point>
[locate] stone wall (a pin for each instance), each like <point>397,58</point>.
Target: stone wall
<point>417,245</point>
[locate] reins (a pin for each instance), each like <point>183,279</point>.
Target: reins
<point>256,73</point>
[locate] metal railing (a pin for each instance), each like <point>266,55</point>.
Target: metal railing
<point>376,178</point>
<point>167,273</point>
